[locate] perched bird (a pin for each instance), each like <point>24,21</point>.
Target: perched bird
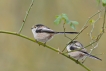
<point>76,50</point>
<point>43,34</point>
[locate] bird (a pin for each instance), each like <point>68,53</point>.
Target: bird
<point>77,51</point>
<point>43,34</point>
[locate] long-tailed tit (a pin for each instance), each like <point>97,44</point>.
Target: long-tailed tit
<point>43,34</point>
<point>76,50</point>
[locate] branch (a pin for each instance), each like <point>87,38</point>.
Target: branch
<point>64,31</point>
<point>79,33</point>
<point>84,27</point>
<point>103,28</point>
<point>97,39</point>
<point>75,37</point>
<point>92,17</point>
<point>27,13</point>
<point>56,50</point>
<point>100,35</point>
<point>94,46</point>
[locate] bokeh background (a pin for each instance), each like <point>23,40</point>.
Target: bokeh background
<point>19,54</point>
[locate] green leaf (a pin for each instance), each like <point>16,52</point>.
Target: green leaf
<point>58,19</point>
<point>74,22</point>
<point>104,2</point>
<point>69,22</point>
<point>72,26</point>
<point>65,17</point>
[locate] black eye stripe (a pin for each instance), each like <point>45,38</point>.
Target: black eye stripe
<point>72,48</point>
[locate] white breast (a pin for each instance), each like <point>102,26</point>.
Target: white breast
<point>77,55</point>
<point>42,37</point>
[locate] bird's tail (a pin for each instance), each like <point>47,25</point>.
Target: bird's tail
<point>50,31</point>
<point>66,32</point>
<point>91,56</point>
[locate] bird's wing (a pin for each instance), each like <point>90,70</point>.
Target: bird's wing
<point>91,56</point>
<point>44,30</point>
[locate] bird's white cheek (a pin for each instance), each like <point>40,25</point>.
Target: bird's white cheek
<point>68,48</point>
<point>34,32</point>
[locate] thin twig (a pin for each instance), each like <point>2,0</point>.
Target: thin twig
<point>90,52</point>
<point>103,28</point>
<point>83,27</point>
<point>64,31</point>
<point>92,17</point>
<point>95,41</point>
<point>27,13</point>
<point>93,25</point>
<point>79,33</point>
<point>75,37</point>
<point>52,48</point>
<point>100,35</point>
<point>87,22</point>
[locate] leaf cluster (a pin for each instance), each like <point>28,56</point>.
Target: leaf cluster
<point>66,20</point>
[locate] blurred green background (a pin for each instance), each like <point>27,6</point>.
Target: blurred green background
<point>18,54</point>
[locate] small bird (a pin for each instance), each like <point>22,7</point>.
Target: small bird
<point>43,34</point>
<point>76,50</point>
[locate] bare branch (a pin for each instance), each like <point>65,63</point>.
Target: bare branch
<point>64,31</point>
<point>40,43</point>
<point>27,13</point>
<point>94,46</point>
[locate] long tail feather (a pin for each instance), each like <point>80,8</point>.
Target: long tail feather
<point>48,31</point>
<point>67,32</point>
<point>91,56</point>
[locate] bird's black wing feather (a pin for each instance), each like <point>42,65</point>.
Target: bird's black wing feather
<point>44,31</point>
<point>92,56</point>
